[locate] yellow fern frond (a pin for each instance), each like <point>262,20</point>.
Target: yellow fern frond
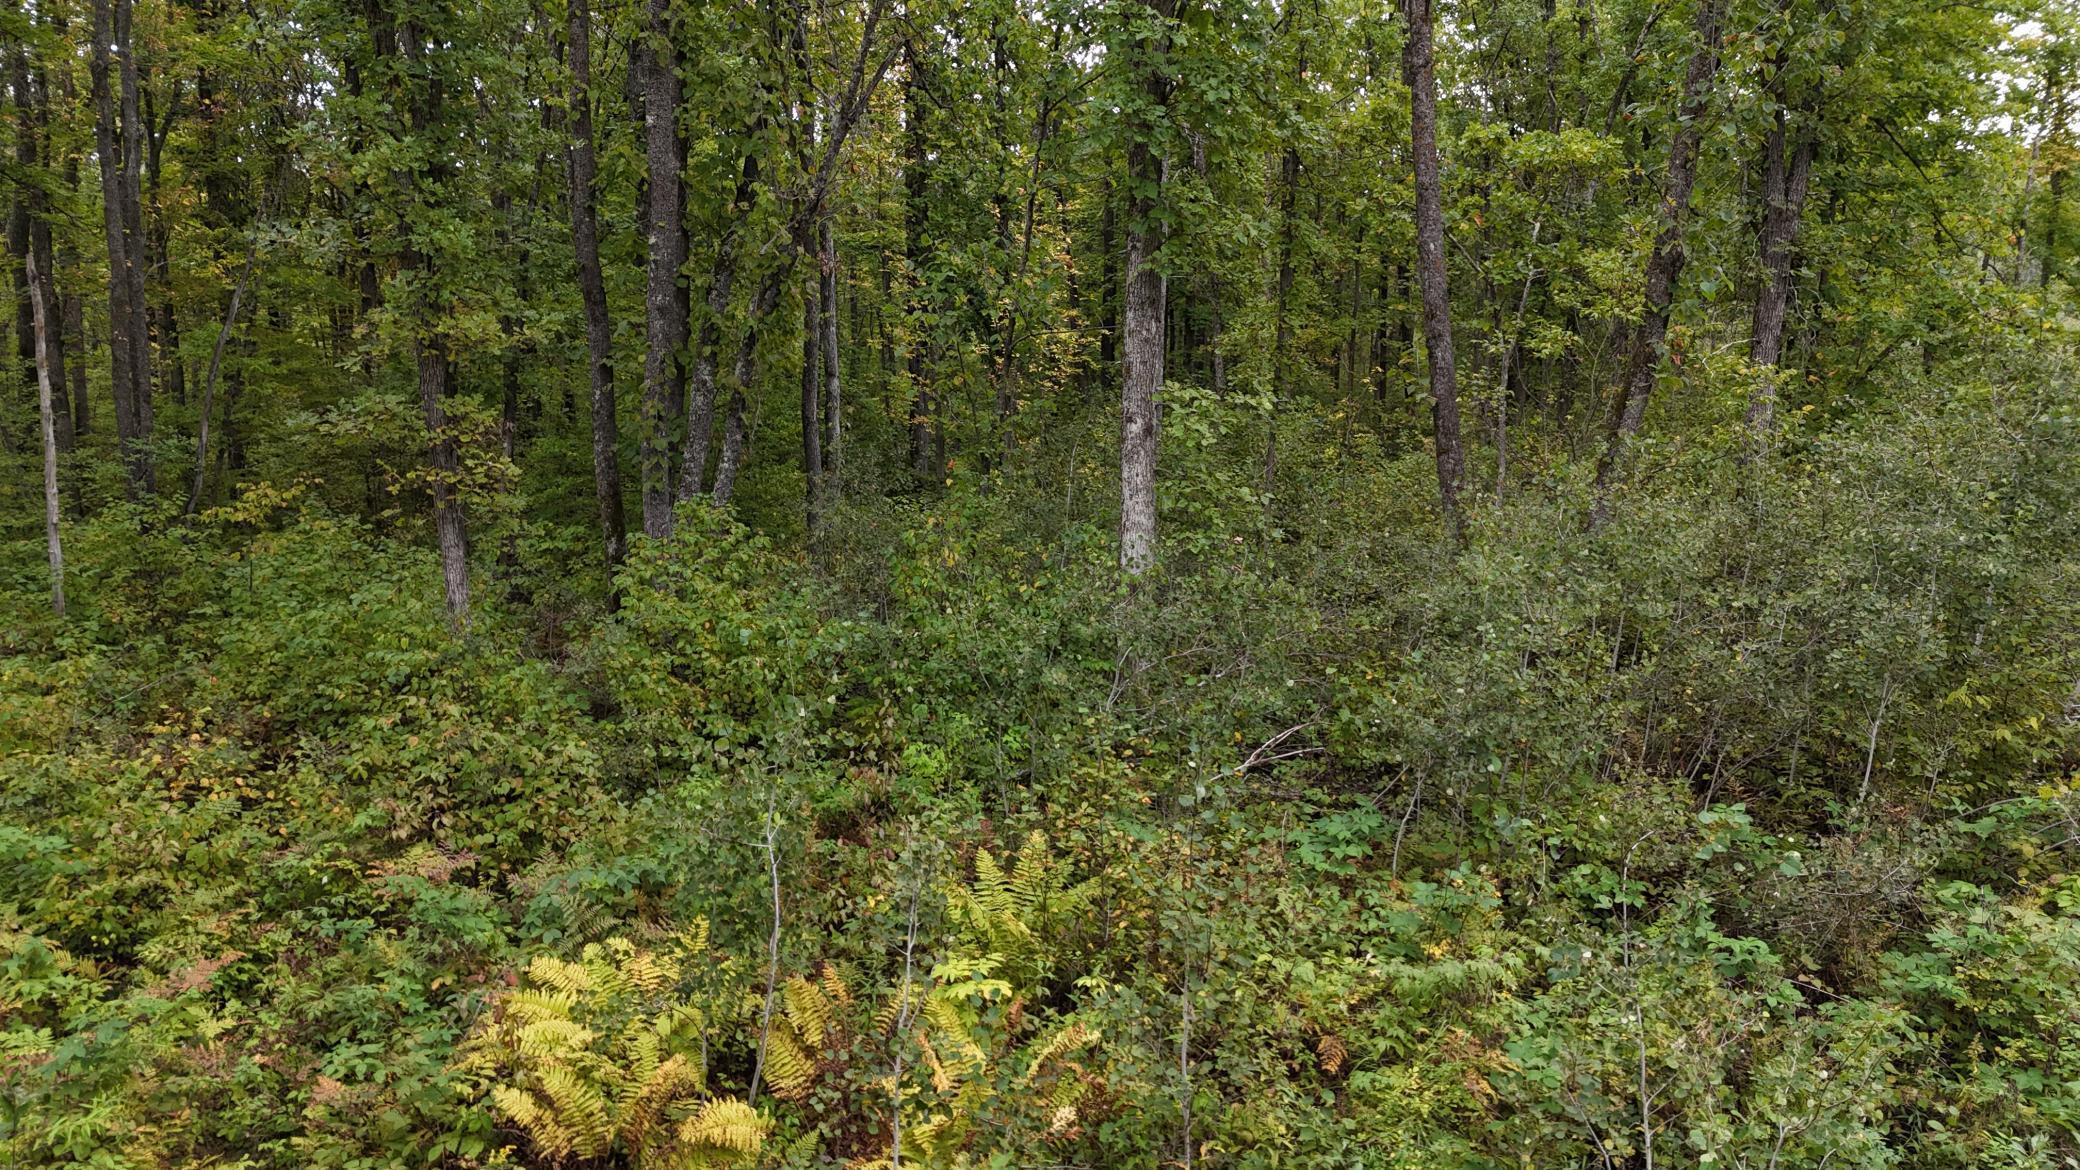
<point>834,985</point>
<point>693,939</point>
<point>535,1003</point>
<point>1072,1037</point>
<point>525,1111</point>
<point>808,1010</point>
<point>789,1069</point>
<point>548,1040</point>
<point>643,1103</point>
<point>579,1109</point>
<point>650,974</point>
<point>571,978</point>
<point>724,1125</point>
<point>1330,1052</point>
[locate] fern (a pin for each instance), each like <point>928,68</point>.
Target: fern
<point>596,1058</point>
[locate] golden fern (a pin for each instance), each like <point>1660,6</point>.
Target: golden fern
<point>598,1057</point>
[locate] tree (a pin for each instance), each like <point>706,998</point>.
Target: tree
<point>1419,72</point>
<point>1144,309</point>
<point>118,140</point>
<point>654,58</point>
<point>1665,262</point>
<point>39,309</point>
<point>583,174</point>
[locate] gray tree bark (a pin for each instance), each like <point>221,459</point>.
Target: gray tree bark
<point>1665,264</point>
<point>1143,315</point>
<point>581,169</point>
<point>1418,68</point>
<point>665,301</point>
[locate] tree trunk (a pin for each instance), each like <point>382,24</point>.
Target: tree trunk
<point>833,391</point>
<point>1108,281</point>
<point>162,323</point>
<point>426,100</point>
<point>1282,326</point>
<point>812,402</point>
<point>209,380</point>
<point>136,248</point>
<point>1144,312</point>
<point>40,322</point>
<point>1784,184</point>
<point>922,462</point>
<point>707,348</point>
<point>132,418</point>
<point>581,169</point>
<point>33,146</point>
<point>665,301</point>
<point>1665,265</point>
<point>1418,69</point>
<point>19,214</point>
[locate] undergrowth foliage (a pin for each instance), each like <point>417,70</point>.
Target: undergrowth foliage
<point>1742,829</point>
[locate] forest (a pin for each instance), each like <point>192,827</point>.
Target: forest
<point>1040,584</point>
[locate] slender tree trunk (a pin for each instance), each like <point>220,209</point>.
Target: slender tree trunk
<point>1784,185</point>
<point>1108,280</point>
<point>19,214</point>
<point>1282,325</point>
<point>1665,265</point>
<point>39,312</point>
<point>833,391</point>
<point>812,402</point>
<point>71,310</point>
<point>209,380</point>
<point>707,348</point>
<point>132,424</point>
<point>425,107</point>
<point>1418,69</point>
<point>582,171</point>
<point>136,248</point>
<point>1144,313</point>
<point>75,325</point>
<point>33,148</point>
<point>665,301</point>
<point>922,422</point>
<point>162,322</point>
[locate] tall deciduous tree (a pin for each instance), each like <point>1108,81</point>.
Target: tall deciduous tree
<point>1418,67</point>
<point>1143,315</point>
<point>655,58</point>
<point>1665,262</point>
<point>583,173</point>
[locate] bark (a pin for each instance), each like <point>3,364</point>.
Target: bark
<point>75,324</point>
<point>922,462</point>
<point>1143,315</point>
<point>812,402</point>
<point>209,381</point>
<point>40,323</point>
<point>137,249</point>
<point>833,391</point>
<point>72,311</point>
<point>665,303</point>
<point>1108,281</point>
<point>162,322</point>
<point>1664,265</point>
<point>707,348</point>
<point>735,436</point>
<point>450,534</point>
<point>1784,185</point>
<point>1282,326</point>
<point>132,413</point>
<point>19,215</point>
<point>1418,70</point>
<point>33,145</point>
<point>582,171</point>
